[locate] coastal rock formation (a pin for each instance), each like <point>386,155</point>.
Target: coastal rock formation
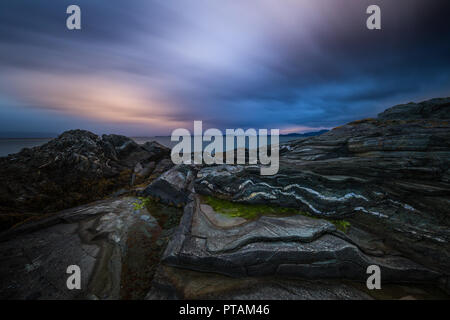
<point>116,246</point>
<point>295,246</point>
<point>75,168</point>
<point>175,283</point>
<point>438,108</point>
<point>389,176</point>
<point>173,187</point>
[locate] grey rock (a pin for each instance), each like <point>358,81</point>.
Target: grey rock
<point>75,168</point>
<point>389,176</point>
<point>174,283</point>
<point>280,246</point>
<point>431,109</point>
<point>98,237</point>
<point>172,187</point>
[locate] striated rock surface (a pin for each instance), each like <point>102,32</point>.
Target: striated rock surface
<point>116,246</point>
<point>72,169</point>
<point>173,187</point>
<point>438,108</point>
<point>175,283</point>
<point>295,246</point>
<point>389,176</point>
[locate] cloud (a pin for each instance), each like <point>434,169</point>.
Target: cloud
<point>152,66</point>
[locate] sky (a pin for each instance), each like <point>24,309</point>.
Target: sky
<point>147,67</point>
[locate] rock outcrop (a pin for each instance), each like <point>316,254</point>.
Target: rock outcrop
<point>116,245</point>
<point>174,187</point>
<point>389,176</point>
<point>438,108</point>
<point>295,246</point>
<point>175,283</point>
<point>75,168</point>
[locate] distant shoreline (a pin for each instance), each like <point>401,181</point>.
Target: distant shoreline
<point>14,145</point>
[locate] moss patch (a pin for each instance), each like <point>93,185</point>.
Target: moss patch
<point>253,211</point>
<point>246,211</point>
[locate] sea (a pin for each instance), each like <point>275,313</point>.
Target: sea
<point>14,145</point>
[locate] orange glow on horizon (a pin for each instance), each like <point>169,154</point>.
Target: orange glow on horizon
<point>97,98</point>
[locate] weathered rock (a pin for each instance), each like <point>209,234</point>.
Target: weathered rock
<point>438,108</point>
<point>280,246</point>
<point>390,176</point>
<point>174,283</point>
<point>115,246</point>
<point>172,187</point>
<point>72,169</point>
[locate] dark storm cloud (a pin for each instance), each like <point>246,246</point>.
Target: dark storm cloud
<point>232,63</point>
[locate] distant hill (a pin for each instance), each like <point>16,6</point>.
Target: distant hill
<point>307,134</point>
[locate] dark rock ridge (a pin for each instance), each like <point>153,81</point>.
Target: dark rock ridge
<point>389,175</point>
<point>72,169</point>
<point>438,108</point>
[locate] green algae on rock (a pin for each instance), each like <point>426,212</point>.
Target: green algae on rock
<point>253,211</point>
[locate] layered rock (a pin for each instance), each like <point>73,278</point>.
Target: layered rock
<point>74,168</point>
<point>295,246</point>
<point>175,283</point>
<point>438,108</point>
<point>173,187</point>
<point>116,246</point>
<point>389,175</point>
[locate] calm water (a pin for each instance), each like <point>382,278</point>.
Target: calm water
<point>9,146</point>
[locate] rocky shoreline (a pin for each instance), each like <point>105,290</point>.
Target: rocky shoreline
<point>152,233</point>
<point>73,169</point>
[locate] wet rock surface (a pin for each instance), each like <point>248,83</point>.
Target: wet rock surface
<point>75,168</point>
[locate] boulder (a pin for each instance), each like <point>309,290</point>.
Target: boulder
<point>173,187</point>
